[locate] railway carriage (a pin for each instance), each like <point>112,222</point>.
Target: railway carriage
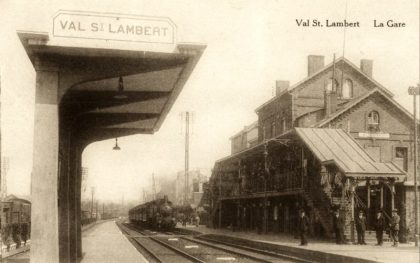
<point>15,211</point>
<point>157,214</point>
<point>15,220</point>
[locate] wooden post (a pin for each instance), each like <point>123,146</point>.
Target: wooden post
<point>368,193</point>
<point>382,196</point>
<point>352,189</point>
<point>238,215</point>
<point>266,173</point>
<point>392,195</point>
<point>368,202</point>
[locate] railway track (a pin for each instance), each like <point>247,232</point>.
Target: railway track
<point>171,247</point>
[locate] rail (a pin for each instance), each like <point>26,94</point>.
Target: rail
<point>259,251</point>
<point>178,251</point>
<point>227,250</point>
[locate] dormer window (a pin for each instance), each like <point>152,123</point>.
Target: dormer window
<point>347,91</point>
<point>373,121</point>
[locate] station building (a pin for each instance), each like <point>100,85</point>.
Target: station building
<point>335,140</point>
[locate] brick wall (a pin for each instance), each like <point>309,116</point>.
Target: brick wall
<point>274,112</point>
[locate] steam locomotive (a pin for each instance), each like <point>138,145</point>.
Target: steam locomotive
<point>158,214</point>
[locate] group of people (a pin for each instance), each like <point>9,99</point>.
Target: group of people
<point>193,219</point>
<point>15,233</point>
<point>360,222</point>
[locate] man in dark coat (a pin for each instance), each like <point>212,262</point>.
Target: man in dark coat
<point>361,228</point>
<point>16,234</point>
<point>395,227</point>
<point>338,222</point>
<point>379,227</point>
<point>24,233</point>
<point>303,226</point>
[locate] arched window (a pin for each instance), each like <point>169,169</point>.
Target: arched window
<point>347,91</point>
<point>329,86</point>
<point>373,121</point>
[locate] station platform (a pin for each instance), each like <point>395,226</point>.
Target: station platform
<point>386,253</point>
<point>104,242</point>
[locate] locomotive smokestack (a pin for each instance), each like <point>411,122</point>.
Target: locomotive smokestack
<point>165,198</point>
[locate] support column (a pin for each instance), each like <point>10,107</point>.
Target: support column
<point>392,195</point>
<point>44,215</point>
<point>382,196</point>
<point>72,191</point>
<point>368,193</point>
<point>70,229</point>
<point>368,219</point>
<point>78,206</point>
<point>238,216</point>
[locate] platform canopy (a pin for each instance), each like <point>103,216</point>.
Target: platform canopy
<point>107,93</point>
<point>336,147</point>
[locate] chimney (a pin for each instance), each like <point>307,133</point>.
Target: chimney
<point>281,85</point>
<point>315,63</point>
<point>330,102</point>
<point>366,66</point>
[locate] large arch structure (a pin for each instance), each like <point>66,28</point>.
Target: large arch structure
<point>85,95</point>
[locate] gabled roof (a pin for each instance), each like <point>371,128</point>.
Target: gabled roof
<point>296,86</point>
<point>334,146</point>
<point>356,101</point>
<point>13,197</point>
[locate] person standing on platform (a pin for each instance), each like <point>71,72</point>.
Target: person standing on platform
<point>379,227</point>
<point>24,234</point>
<point>184,220</point>
<point>395,227</point>
<point>303,226</point>
<point>361,228</point>
<point>338,223</point>
<point>197,220</point>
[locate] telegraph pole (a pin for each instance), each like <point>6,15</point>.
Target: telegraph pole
<point>414,91</point>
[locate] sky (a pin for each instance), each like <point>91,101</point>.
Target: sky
<point>250,45</point>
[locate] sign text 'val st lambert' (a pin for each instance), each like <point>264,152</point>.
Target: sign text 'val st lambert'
<point>114,27</point>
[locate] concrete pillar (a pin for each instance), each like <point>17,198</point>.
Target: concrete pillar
<point>44,227</point>
<point>72,191</point>
<point>69,197</point>
<point>78,206</point>
<point>64,169</point>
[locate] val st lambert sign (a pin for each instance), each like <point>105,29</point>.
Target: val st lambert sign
<point>115,27</point>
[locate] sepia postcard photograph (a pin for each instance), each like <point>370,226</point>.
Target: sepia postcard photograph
<point>209,131</point>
